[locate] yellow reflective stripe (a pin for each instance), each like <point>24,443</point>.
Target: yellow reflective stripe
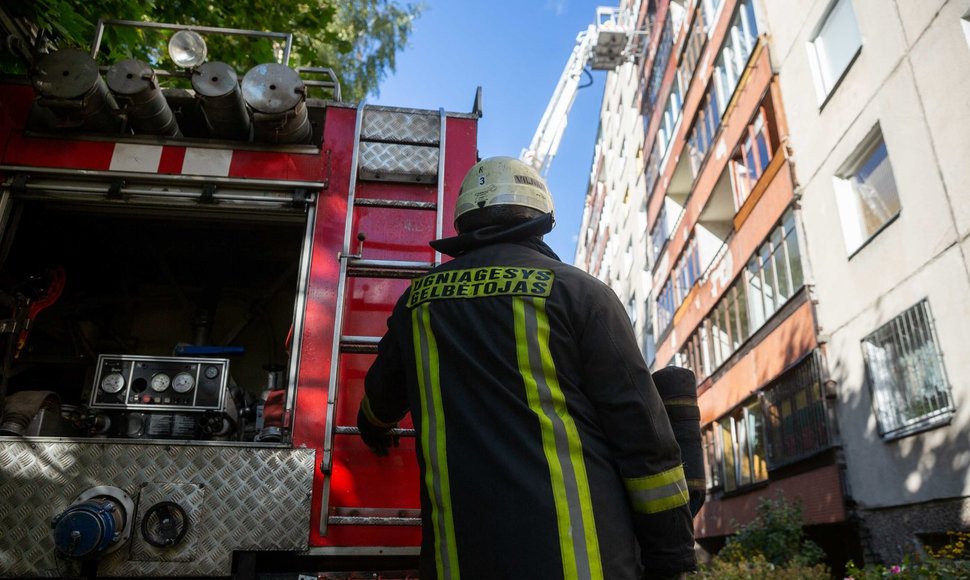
<point>369,413</point>
<point>681,402</point>
<point>660,492</point>
<point>696,484</point>
<point>561,445</point>
<point>433,444</point>
<point>575,444</point>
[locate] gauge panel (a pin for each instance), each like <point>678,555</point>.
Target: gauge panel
<point>159,383</point>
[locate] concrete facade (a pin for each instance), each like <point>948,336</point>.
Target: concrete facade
<point>911,81</point>
<point>867,490</point>
<point>696,215</point>
<point>613,231</point>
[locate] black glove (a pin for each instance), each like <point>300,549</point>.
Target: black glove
<point>379,439</point>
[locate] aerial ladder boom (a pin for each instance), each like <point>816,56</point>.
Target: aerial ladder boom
<point>546,140</point>
<point>604,45</point>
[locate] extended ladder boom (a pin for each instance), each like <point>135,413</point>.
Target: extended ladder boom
<point>604,45</point>
<point>545,142</point>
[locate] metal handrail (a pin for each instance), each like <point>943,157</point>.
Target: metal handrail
<point>99,33</point>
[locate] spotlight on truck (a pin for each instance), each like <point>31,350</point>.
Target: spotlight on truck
<point>187,49</point>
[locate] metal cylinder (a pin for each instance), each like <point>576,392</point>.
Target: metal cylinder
<point>69,84</point>
<point>278,98</point>
<point>135,86</point>
<point>217,87</point>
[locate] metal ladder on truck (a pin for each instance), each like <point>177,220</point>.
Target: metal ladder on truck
<point>395,145</point>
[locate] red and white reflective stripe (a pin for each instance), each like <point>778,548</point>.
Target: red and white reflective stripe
<point>160,159</point>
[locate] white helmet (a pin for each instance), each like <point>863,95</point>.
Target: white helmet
<point>499,181</point>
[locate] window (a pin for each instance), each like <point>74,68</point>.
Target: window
<point>712,458</point>
<point>743,447</point>
<point>906,376</point>
<point>665,306</point>
<point>705,127</point>
<point>652,170</point>
<point>686,271</point>
<point>693,48</point>
<point>965,23</point>
<point>795,417</point>
<point>710,11</point>
<point>664,47</point>
<point>659,235</point>
<point>649,344</point>
<point>752,158</point>
<point>865,191</point>
<point>833,46</point>
<point>730,64</point>
<point>671,117</point>
<point>631,310</point>
<point>774,272</point>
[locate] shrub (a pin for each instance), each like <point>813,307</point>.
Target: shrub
<point>946,563</point>
<point>757,567</point>
<point>776,534</point>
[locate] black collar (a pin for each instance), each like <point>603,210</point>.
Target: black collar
<point>528,233</point>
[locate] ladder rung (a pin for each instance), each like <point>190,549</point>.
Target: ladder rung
<point>371,521</point>
<point>359,344</point>
<point>348,430</point>
<point>396,203</point>
<point>387,268</point>
<point>361,516</point>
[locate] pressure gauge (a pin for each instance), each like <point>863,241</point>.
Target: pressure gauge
<point>112,383</point>
<point>183,382</point>
<point>211,372</point>
<point>160,382</point>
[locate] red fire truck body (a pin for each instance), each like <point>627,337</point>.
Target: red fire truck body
<point>188,322</point>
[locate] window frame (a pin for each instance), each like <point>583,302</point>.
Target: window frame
<point>803,428</point>
<point>739,423</point>
<point>826,87</point>
<point>847,196</point>
<point>884,403</point>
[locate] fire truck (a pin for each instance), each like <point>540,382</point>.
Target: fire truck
<point>193,282</point>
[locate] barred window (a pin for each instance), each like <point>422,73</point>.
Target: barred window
<point>796,424</point>
<point>906,375</point>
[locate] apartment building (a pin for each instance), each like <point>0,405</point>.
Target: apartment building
<point>732,292</point>
<point>877,97</point>
<point>613,228</point>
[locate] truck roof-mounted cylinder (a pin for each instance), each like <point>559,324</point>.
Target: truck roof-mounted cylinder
<point>135,86</point>
<point>277,96</point>
<point>70,86</point>
<point>217,86</point>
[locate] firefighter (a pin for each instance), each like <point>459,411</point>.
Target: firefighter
<point>543,443</point>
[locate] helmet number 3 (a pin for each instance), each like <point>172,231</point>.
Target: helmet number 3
<point>481,180</point>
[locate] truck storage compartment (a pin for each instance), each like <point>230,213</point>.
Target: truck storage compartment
<point>188,310</point>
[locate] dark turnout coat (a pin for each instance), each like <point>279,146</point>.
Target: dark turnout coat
<point>544,446</point>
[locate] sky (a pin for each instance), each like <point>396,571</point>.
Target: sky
<point>516,52</point>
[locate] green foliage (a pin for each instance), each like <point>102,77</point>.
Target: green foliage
<point>947,563</point>
<point>359,39</point>
<point>759,568</point>
<point>776,534</point>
